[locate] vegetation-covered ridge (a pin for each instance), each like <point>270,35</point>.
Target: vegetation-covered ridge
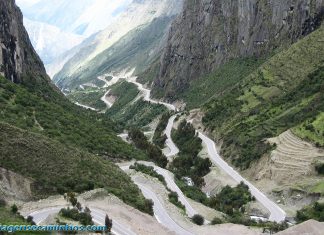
<point>67,169</point>
<point>131,112</point>
<point>153,152</point>
<point>47,112</point>
<point>285,92</point>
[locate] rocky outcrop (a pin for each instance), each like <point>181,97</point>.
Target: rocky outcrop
<point>210,32</point>
<point>17,56</point>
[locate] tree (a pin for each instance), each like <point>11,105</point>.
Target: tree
<point>72,199</point>
<point>108,223</point>
<point>198,219</point>
<point>14,209</point>
<point>78,205</point>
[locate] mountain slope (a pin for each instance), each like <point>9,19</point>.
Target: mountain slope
<point>125,22</point>
<point>282,93</point>
<point>209,33</point>
<point>46,137</point>
<point>56,168</point>
<point>47,40</point>
<point>137,49</point>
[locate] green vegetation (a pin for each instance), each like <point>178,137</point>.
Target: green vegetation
<point>149,170</point>
<point>188,164</point>
<point>49,113</point>
<point>159,138</point>
<point>232,200</point>
<point>173,198</point>
<point>153,152</point>
<point>198,219</point>
<point>318,188</point>
<point>8,217</point>
<point>315,211</point>
<point>89,97</point>
<point>193,192</point>
<point>213,85</point>
<point>319,167</point>
<point>313,129</point>
<point>285,92</point>
<point>67,169</point>
<point>216,221</point>
<point>128,113</point>
<point>83,217</point>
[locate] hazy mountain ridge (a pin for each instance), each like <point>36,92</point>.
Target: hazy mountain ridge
<point>50,41</point>
<point>55,27</point>
<point>127,21</point>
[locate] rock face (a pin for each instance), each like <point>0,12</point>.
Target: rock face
<point>17,56</point>
<point>210,32</point>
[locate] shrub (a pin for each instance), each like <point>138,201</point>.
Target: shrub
<point>216,221</point>
<point>14,209</point>
<point>198,219</point>
<point>319,167</point>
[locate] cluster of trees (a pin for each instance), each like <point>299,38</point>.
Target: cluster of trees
<point>188,163</point>
<point>174,199</point>
<point>73,213</point>
<point>76,212</point>
<point>232,200</point>
<point>154,153</point>
<point>129,114</point>
<point>159,138</point>
<point>315,211</point>
<point>149,170</point>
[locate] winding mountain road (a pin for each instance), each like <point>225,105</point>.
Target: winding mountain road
<point>169,179</point>
<point>169,142</point>
<point>276,213</point>
<point>98,216</point>
<point>160,212</point>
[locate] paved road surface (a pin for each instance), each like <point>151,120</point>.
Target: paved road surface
<point>86,107</point>
<point>160,212</point>
<point>105,100</point>
<point>169,179</point>
<point>98,217</point>
<point>171,145</point>
<point>276,213</point>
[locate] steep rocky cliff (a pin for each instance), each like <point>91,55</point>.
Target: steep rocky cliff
<point>18,58</point>
<point>210,32</point>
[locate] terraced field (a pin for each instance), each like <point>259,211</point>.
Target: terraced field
<point>292,158</point>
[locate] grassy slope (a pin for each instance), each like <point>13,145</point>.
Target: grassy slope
<point>90,97</point>
<point>45,111</point>
<point>281,94</point>
<point>214,84</point>
<point>129,113</point>
<point>57,168</point>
